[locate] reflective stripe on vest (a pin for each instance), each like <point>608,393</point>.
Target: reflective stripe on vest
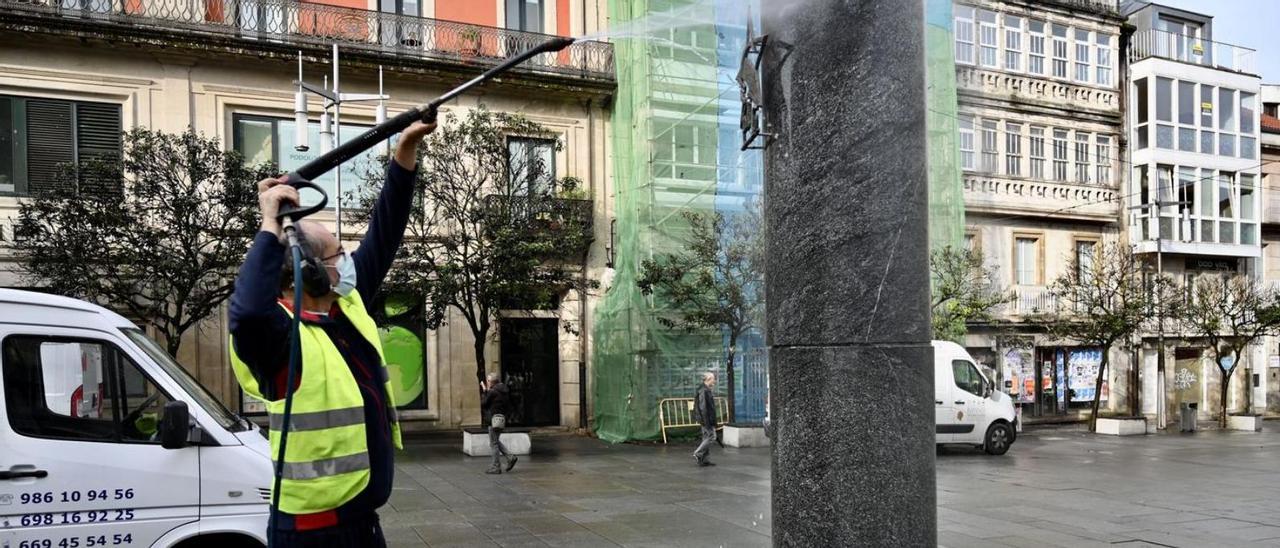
<point>327,463</point>
<point>319,420</point>
<point>326,467</point>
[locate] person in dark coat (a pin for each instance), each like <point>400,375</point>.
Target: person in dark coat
<point>704,405</point>
<point>495,406</point>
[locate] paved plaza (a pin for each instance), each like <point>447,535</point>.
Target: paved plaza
<point>1056,487</point>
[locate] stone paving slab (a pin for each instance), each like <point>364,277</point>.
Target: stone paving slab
<point>1056,487</point>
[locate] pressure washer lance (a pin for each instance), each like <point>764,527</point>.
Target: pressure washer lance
<point>426,112</point>
<point>290,215</point>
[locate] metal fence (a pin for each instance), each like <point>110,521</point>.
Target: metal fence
<point>290,22</point>
<point>678,376</point>
<point>1190,49</point>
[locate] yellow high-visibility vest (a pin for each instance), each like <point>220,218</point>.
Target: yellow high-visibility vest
<point>327,461</point>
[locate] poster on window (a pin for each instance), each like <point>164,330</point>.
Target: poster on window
<point>1078,372</point>
<point>1020,375</point>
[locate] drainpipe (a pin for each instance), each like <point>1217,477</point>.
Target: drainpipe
<point>582,291</point>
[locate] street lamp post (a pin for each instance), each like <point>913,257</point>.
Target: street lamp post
<point>331,135</point>
<point>1161,419</point>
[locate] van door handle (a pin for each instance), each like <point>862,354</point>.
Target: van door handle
<point>937,402</point>
<point>8,475</point>
<point>960,403</point>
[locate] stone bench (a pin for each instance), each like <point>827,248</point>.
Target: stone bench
<point>1122,426</point>
<point>475,441</point>
<point>745,435</point>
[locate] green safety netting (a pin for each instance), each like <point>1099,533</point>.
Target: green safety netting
<point>665,141</point>
<point>946,198</point>
<point>674,149</point>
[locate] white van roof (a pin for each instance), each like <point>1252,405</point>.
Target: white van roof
<point>32,308</point>
<point>950,351</point>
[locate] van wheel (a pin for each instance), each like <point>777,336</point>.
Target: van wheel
<point>999,438</point>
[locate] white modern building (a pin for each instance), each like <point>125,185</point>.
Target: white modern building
<point>1194,195</point>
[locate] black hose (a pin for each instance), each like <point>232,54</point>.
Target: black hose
<point>295,363</point>
<point>302,179</point>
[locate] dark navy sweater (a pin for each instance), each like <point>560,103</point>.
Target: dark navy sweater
<point>261,330</point>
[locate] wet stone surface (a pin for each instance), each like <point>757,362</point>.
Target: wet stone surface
<point>1058,487</point>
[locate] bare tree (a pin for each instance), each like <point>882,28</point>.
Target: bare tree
<point>156,233</point>
<point>1229,313</point>
<point>1102,301</point>
<point>487,230</point>
<point>964,291</point>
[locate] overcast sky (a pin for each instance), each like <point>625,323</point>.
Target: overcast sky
<point>1253,24</point>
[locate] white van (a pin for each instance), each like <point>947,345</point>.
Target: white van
<point>106,441</point>
<point>968,408</point>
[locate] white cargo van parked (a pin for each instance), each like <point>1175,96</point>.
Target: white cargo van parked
<point>106,441</point>
<point>969,409</point>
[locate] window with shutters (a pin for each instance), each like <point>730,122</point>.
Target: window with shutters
<point>41,138</point>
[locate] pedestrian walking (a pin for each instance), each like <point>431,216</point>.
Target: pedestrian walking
<point>704,408</point>
<point>494,405</point>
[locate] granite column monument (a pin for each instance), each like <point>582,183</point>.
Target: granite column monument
<point>848,273</point>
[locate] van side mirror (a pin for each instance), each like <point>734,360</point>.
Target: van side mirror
<point>175,425</point>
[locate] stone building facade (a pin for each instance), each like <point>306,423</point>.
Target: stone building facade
<point>226,69</point>
<point>1040,102</point>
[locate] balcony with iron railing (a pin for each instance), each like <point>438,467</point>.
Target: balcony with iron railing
<point>1190,49</point>
<point>544,214</point>
<point>1030,301</point>
<point>287,25</point>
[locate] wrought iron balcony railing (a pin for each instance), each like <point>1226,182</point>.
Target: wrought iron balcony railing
<point>544,213</point>
<point>290,22</point>
<point>1190,49</point>
<point>1031,301</point>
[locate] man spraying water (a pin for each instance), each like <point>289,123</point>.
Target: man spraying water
<point>338,463</point>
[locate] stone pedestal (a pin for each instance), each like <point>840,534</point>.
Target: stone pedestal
<point>1127,426</point>
<point>1248,423</point>
<point>475,443</point>
<point>848,274</point>
<point>745,436</point>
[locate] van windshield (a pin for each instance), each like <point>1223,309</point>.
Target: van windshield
<point>204,399</point>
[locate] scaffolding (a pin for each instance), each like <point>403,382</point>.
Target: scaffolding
<point>676,144</point>
<point>676,148</point>
<point>946,192</point>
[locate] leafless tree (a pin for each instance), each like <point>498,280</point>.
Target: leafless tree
<point>1229,313</point>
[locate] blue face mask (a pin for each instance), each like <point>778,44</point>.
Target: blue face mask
<point>346,275</point>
